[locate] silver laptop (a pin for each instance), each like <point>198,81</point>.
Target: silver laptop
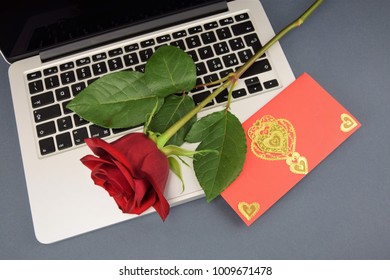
<point>56,48</point>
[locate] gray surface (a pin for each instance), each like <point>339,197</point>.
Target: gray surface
<point>341,210</point>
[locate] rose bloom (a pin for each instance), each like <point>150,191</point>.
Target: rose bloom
<point>132,170</point>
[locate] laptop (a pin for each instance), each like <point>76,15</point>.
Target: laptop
<point>56,48</point>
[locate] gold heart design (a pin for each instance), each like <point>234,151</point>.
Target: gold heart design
<point>249,210</point>
<point>300,166</point>
<point>347,123</point>
<point>272,139</point>
<point>276,142</point>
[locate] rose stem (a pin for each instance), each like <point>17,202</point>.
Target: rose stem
<point>164,137</point>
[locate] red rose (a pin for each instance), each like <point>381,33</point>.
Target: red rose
<point>132,170</point>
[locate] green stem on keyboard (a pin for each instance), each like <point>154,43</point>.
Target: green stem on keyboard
<point>233,77</point>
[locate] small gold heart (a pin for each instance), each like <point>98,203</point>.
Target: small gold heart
<point>275,141</point>
<point>249,210</point>
<point>300,166</point>
<point>347,123</point>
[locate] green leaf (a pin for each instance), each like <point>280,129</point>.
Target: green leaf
<point>215,172</point>
<point>117,100</point>
<point>170,70</point>
<point>174,108</point>
<point>202,127</point>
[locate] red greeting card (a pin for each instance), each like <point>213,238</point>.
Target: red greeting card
<point>286,139</point>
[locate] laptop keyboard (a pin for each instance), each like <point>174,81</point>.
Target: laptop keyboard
<point>217,47</point>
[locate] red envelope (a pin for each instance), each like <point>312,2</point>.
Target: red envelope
<point>286,139</point>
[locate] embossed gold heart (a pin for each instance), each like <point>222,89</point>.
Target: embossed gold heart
<point>347,123</point>
<point>248,210</point>
<point>275,139</point>
<point>272,139</point>
<point>300,166</point>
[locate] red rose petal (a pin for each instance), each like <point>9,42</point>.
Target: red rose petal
<point>132,170</point>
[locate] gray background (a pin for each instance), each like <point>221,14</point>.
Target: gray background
<point>341,210</point>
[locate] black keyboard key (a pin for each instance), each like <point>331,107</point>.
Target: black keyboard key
<point>148,43</point>
<point>131,48</point>
<point>211,78</point>
<point>211,25</point>
<point>68,77</point>
<point>179,34</point>
<point>36,86</point>
<point>258,67</point>
<point>271,84</point>
<point>42,99</point>
<point>33,76</point>
<point>241,17</point>
<point>83,73</point>
<point>242,28</point>
<point>66,66</point>
<point>145,54</point>
<point>64,141</point>
<point>46,129</point>
<point>179,44</point>
<point>83,61</point>
<point>77,88</point>
<point>253,41</point>
<point>239,93</point>
<point>199,97</point>
<point>79,135</point>
<point>99,56</point>
<point>62,93</point>
<point>99,68</point>
<point>46,146</point>
<point>163,38</point>
<point>245,55</point>
<point>208,37</point>
<point>230,60</point>
<point>221,48</point>
<point>115,52</point>
<point>253,85</point>
<point>226,21</point>
<point>50,71</point>
<point>255,88</point>
<point>78,121</point>
<point>195,29</point>
<point>206,52</point>
<point>200,69</point>
<point>52,82</point>
<point>252,81</point>
<point>225,73</point>
<point>140,68</point>
<point>47,113</point>
<point>131,59</point>
<point>224,33</point>
<point>222,97</point>
<point>115,64</point>
<point>236,44</point>
<point>214,64</point>
<point>64,123</point>
<point>193,42</point>
<point>98,131</point>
